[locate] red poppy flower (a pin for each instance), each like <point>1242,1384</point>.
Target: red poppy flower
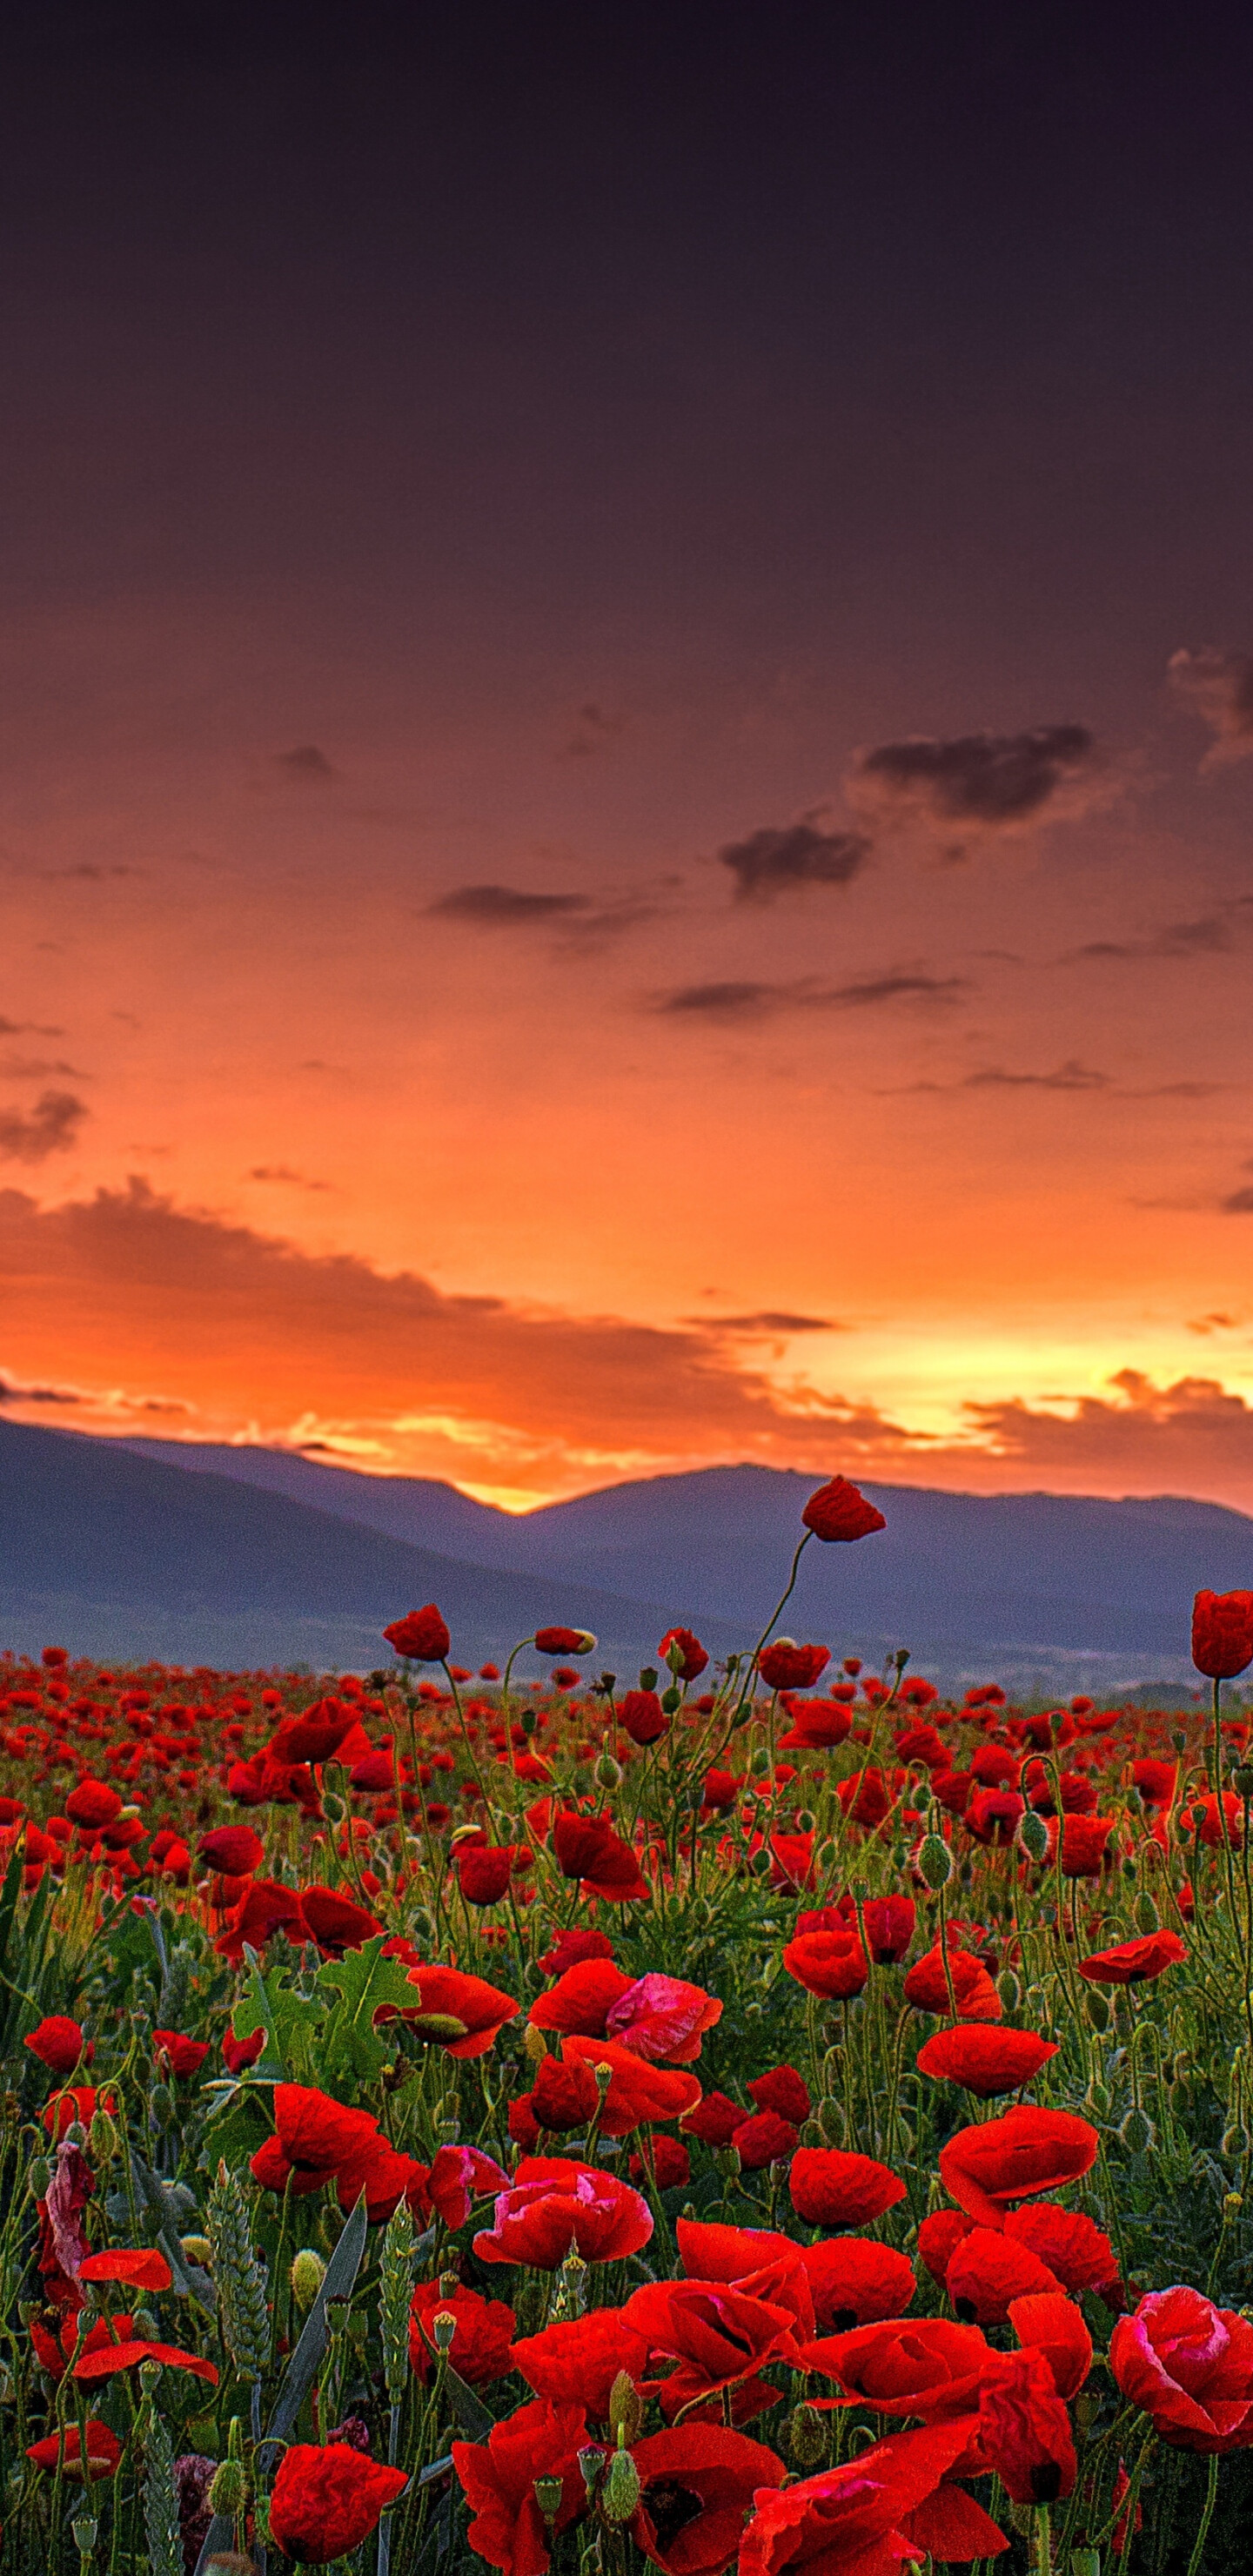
<point>694,1657</point>
<point>714,2121</point>
<point>951,2527</point>
<point>58,2043</point>
<point>848,2519</point>
<point>562,2097</point>
<point>93,1804</point>
<point>481,2348</point>
<point>1214,1820</point>
<point>328,2498</point>
<point>484,1871</point>
<point>855,2281</point>
<point>553,2204</point>
<point>55,2351</point>
<point>142,2267</point>
<point>637,2090</point>
<point>840,1511</point>
<point>1024,2431</point>
<point>570,1947</point>
<point>587,1848</point>
<point>1189,2367</point>
<point>941,2232</point>
<point>422,1635</point>
<point>818,1725</point>
<point>787,1666</point>
<point>1053,2325</point>
<point>1075,2249</point>
<point>1156,1780</point>
<point>335,1922</point>
<point>1084,1852</point>
<point>992,1816</point>
<point>242,2053</point>
<point>564,1641</point>
<point>987,2270</point>
<point>784,2091</point>
<point>669,2163</point>
<point>447,1995</point>
<point>830,1964</point>
<point>662,2017</point>
<point>96,2456</point>
<point>762,2140</point>
<point>985,2060</point>
<point>1130,1963</point>
<point>576,2361</point>
<point>498,2479</point>
<point>234,1851</point>
<point>1222,1633</point>
<point>719,2336</point>
<point>316,2138</point>
<point>582,1998</point>
<point>642,1717</point>
<point>832,2189</point>
<point>1024,2152</point>
<point>109,2358</point>
<point>77,2102</point>
<point>267,1908</point>
<point>927,1986</point>
<point>697,2484</point>
<point>177,2056</point>
<point>889,1925</point>
<point>926,2367</point>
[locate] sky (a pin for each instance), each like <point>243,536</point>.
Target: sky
<point>626,734</point>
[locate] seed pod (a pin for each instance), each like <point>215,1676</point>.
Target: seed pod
<point>84,2530</point>
<point>621,2491</point>
<point>935,1862</point>
<point>548,2497</point>
<point>625,2412</point>
<point>591,2462</point>
<point>308,2272</point>
<point>443,2330</point>
<point>1242,1780</point>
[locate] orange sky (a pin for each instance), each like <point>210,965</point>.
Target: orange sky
<point>836,678</point>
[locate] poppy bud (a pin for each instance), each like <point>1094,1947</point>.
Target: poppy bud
<point>39,2175</point>
<point>759,1763</point>
<point>608,1772</point>
<point>805,1823</point>
<point>625,2412</point>
<point>1009,1990</point>
<point>1234,2143</point>
<point>670,1701</point>
<point>824,1859</point>
<point>830,2116</point>
<point>1147,1918</point>
<point>935,1861</point>
<point>102,2138</point>
<point>1033,1834</point>
<point>161,2103</point>
<point>1242,1779</point>
<point>308,2272</point>
<point>1137,2132</point>
<point>1097,2009</point>
<point>806,2435</point>
<point>621,2492</point>
<point>228,2488</point>
<point>548,2497</point>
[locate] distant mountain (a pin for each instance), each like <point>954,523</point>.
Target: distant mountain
<point>1067,1591</point>
<point>111,1553</point>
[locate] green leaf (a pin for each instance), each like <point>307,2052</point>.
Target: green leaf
<point>338,2283</point>
<point>361,1981</point>
<point>292,2021</point>
<point>471,2413</point>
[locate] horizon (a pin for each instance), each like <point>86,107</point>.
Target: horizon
<point>628,733</point>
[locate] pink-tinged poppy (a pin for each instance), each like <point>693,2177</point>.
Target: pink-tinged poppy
<point>1188,2366</point>
<point>984,2059</point>
<point>830,2188</point>
<point>498,2480</point>
<point>142,2267</point>
<point>662,2018</point>
<point>582,1998</point>
<point>1024,2152</point>
<point>1132,1963</point>
<point>554,2204</point>
<point>637,2091</point>
<point>1051,2323</point>
<point>458,2178</point>
<point>846,2521</point>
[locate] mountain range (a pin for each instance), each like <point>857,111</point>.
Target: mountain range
<point>243,1555</point>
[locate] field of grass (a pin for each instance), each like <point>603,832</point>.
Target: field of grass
<point>766,2115</point>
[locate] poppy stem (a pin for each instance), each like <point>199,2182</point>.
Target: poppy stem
<point>1211,2490</point>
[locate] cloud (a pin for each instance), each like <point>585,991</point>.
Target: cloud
<point>52,1128</point>
<point>768,1325</point>
<point>306,763</point>
<point>1070,1076</point>
<point>280,1174</point>
<point>1191,1437</point>
<point>1240,1203</point>
<point>504,907</point>
<point>28,1029</point>
<point>747,1000</point>
<point>594,727</point>
<point>1208,936</point>
<point>1219,689</point>
<point>773,862</point>
<point>977,784</point>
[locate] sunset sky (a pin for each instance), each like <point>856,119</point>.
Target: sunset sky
<point>626,738</point>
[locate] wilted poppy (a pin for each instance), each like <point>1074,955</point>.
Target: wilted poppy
<point>327,2498</point>
<point>984,2059</point>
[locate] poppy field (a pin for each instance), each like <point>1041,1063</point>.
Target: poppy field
<point>769,2117</point>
